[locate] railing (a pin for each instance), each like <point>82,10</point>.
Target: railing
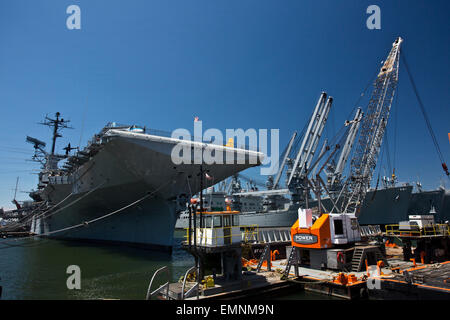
<point>371,230</point>
<point>193,289</point>
<point>428,230</point>
<point>164,287</point>
<point>270,235</point>
<point>211,237</point>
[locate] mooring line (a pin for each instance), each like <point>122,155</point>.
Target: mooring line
<point>85,223</point>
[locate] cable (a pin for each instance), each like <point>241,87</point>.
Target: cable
<point>427,121</point>
<point>86,223</point>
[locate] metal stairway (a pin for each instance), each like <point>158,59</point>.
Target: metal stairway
<point>357,259</point>
<point>291,260</point>
<point>360,254</point>
<point>265,256</point>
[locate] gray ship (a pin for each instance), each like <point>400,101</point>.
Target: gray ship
<point>123,187</point>
<point>436,201</point>
<point>384,206</point>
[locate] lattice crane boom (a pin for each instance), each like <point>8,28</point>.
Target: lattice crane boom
<point>372,130</point>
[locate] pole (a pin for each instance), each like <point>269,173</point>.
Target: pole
<point>201,196</point>
<point>195,241</point>
<point>190,226</point>
<point>55,133</point>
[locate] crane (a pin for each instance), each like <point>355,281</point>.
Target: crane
<point>334,174</point>
<point>283,163</point>
<point>372,130</point>
<point>299,170</point>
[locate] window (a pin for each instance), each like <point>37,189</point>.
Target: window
<point>226,221</point>
<point>354,223</point>
<point>207,222</point>
<point>235,220</point>
<point>217,221</point>
<point>338,227</point>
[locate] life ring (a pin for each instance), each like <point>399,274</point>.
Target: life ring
<point>340,257</point>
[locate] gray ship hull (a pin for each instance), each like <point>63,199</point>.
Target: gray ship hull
<point>132,187</point>
<point>423,202</point>
<point>386,206</point>
<point>149,224</point>
<point>381,207</point>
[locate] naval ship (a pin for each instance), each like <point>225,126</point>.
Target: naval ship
<point>383,206</point>
<point>436,202</point>
<point>123,187</point>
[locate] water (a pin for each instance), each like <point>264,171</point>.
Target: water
<point>36,269</point>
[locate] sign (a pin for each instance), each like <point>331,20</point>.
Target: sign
<point>303,238</point>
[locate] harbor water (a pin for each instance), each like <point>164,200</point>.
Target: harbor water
<point>37,269</point>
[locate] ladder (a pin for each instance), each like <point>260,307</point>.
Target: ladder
<point>357,259</point>
<point>264,257</point>
<point>360,254</point>
<point>292,260</point>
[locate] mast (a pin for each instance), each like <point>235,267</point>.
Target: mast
<point>57,124</point>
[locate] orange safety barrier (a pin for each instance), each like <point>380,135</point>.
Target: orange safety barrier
<point>367,267</point>
<point>248,263</point>
<point>345,279</point>
<point>380,264</point>
<point>341,278</point>
<point>352,278</point>
<point>264,264</point>
<point>422,256</point>
<point>252,263</point>
<point>273,254</point>
<point>390,245</point>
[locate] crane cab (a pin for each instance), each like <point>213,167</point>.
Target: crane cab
<point>326,241</point>
<point>328,230</point>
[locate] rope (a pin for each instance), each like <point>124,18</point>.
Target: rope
<point>71,203</point>
<point>86,223</point>
<point>395,130</point>
<point>427,120</point>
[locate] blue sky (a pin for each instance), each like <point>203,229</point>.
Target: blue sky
<point>235,64</point>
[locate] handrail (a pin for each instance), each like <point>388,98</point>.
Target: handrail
<point>249,230</point>
<point>431,229</point>
<point>166,285</point>
<point>184,284</point>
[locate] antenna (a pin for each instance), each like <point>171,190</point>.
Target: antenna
<point>39,152</point>
<point>68,149</point>
<point>15,191</point>
<point>57,125</point>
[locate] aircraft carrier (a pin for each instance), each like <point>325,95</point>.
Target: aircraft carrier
<point>123,187</point>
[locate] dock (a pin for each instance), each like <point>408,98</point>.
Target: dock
<point>415,282</point>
